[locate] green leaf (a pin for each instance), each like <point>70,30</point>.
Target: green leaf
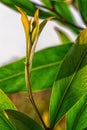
<point>26,5</point>
<point>5,102</point>
<point>83,9</point>
<point>5,124</point>
<point>63,37</point>
<point>63,9</point>
<point>30,8</point>
<point>71,82</point>
<point>45,66</point>
<point>77,116</point>
<point>82,37</point>
<point>42,25</point>
<point>47,3</point>
<point>22,121</point>
<point>64,15</point>
<point>62,1</point>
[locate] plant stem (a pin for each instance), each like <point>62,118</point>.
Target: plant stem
<point>62,19</point>
<point>28,66</point>
<point>31,96</point>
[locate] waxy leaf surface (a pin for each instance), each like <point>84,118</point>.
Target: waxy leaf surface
<point>71,81</point>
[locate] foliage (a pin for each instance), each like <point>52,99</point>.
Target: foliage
<point>61,68</point>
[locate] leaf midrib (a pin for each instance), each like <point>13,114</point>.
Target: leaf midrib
<point>33,69</point>
<point>68,86</point>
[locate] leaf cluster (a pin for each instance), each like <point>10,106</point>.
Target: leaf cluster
<point>61,68</point>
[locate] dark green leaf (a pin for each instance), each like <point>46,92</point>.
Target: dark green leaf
<point>77,116</point>
<point>5,102</point>
<point>83,9</point>
<point>5,124</point>
<point>30,7</point>
<point>64,11</point>
<point>24,4</point>
<point>71,81</point>
<point>59,1</point>
<point>21,121</point>
<point>45,67</point>
<point>27,6</point>
<point>65,15</point>
<point>42,25</point>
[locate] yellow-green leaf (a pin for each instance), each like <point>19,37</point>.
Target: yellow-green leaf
<point>82,38</point>
<point>5,102</point>
<point>36,28</point>
<point>25,22</point>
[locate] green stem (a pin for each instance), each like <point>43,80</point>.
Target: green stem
<point>30,94</point>
<point>28,66</point>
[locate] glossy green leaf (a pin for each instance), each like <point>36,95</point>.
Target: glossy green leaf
<point>22,121</point>
<point>71,81</point>
<point>45,66</point>
<point>63,37</point>
<point>5,102</point>
<point>77,116</point>
<point>83,9</point>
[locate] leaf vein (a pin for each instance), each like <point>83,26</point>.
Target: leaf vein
<point>33,69</point>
